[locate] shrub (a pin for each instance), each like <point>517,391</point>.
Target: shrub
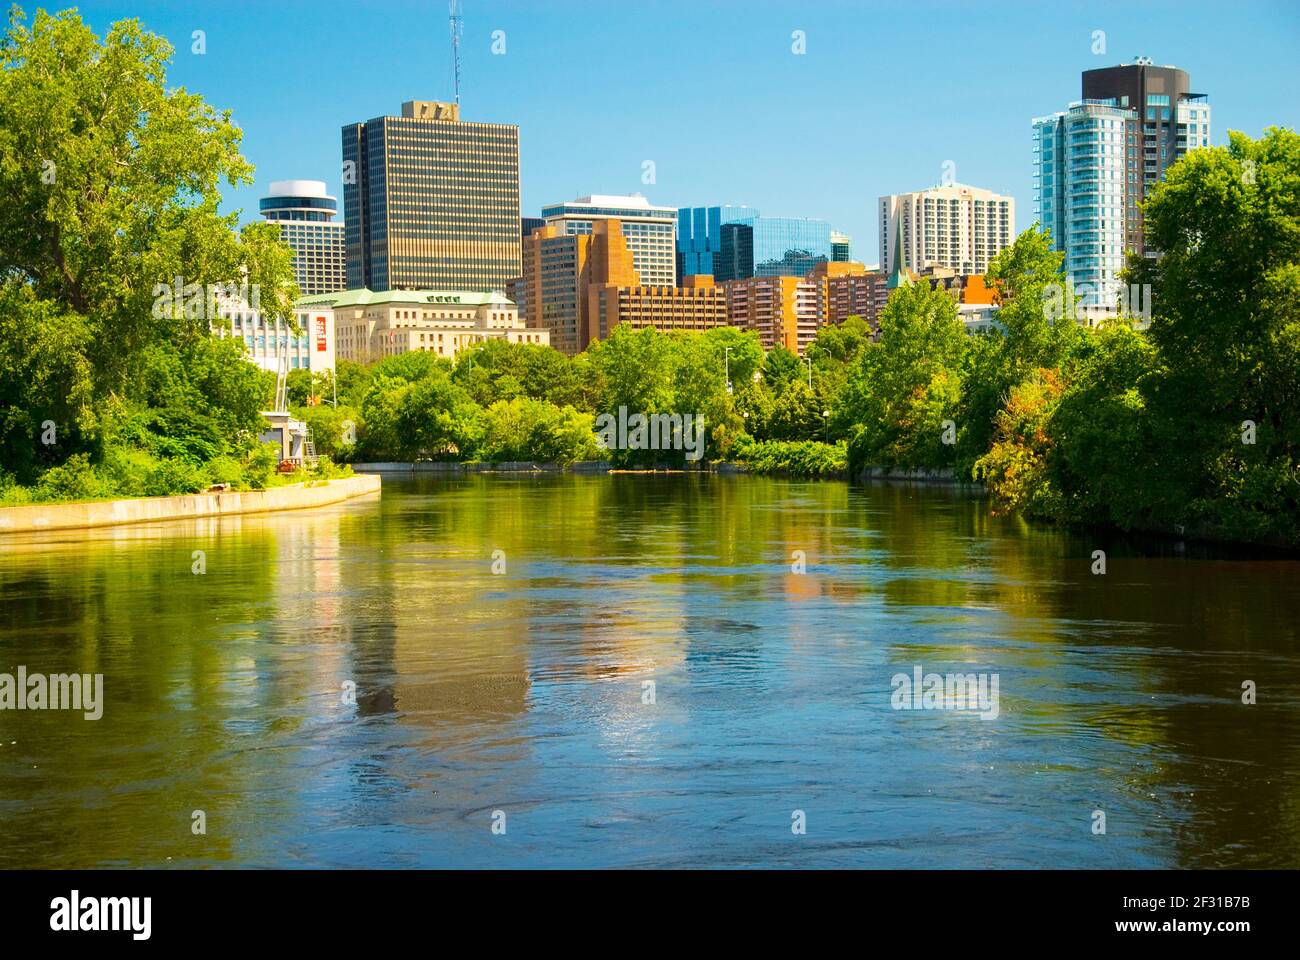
<point>259,467</point>
<point>73,480</point>
<point>172,476</point>
<point>796,458</point>
<point>226,470</point>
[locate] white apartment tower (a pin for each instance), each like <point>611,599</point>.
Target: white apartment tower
<point>956,226</point>
<point>1079,177</point>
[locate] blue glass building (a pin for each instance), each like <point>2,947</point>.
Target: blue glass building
<point>771,247</point>
<point>699,236</point>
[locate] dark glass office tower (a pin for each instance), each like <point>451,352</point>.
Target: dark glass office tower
<point>431,202</point>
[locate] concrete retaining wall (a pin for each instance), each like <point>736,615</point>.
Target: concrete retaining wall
<point>105,513</point>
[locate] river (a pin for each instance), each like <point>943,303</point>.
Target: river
<point>672,671</point>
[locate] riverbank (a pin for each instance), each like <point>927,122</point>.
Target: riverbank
<point>104,513</point>
<point>884,476</point>
<point>943,478</point>
<point>449,468</point>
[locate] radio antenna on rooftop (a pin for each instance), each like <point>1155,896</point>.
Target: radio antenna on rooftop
<point>457,21</point>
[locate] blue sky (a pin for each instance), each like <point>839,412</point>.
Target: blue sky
<point>711,91</point>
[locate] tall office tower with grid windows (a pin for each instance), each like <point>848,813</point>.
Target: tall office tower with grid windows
<point>431,201</point>
<point>1096,162</point>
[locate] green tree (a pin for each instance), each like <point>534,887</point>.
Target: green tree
<point>529,429</point>
<point>1036,330</point>
<point>45,378</point>
<point>353,380</point>
<point>381,410</point>
<point>906,384</point>
<point>781,367</point>
<point>111,184</point>
<point>437,419</point>
<point>1225,322</point>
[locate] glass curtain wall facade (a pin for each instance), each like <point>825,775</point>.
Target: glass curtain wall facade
<point>772,247</point>
<point>699,237</point>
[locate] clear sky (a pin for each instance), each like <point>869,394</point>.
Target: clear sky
<point>712,92</point>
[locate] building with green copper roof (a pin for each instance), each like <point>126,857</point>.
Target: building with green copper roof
<point>371,325</point>
<point>363,297</point>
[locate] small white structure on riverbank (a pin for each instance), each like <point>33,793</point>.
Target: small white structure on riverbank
<point>292,435</point>
<point>289,434</point>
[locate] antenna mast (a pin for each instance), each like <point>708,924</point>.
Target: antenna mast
<point>457,26</point>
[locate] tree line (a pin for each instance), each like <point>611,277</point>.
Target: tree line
<point>112,185</point>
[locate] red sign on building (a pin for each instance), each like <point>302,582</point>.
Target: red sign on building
<point>320,334</point>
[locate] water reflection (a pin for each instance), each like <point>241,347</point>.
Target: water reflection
<point>356,686</point>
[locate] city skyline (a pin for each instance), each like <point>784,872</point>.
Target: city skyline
<point>877,141</point>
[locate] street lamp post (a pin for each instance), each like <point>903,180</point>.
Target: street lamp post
<point>726,361</point>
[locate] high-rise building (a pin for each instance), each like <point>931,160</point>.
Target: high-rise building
<point>840,247</point>
<point>1097,161</point>
<point>650,231</point>
<point>431,201</point>
<point>955,226</point>
<point>1173,120</point>
<point>549,294</point>
<point>782,310</point>
<point>772,247</point>
<point>561,269</point>
<point>305,214</point>
<point>528,224</point>
<point>580,286</point>
<point>699,236</point>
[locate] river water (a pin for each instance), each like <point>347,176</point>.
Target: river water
<point>627,670</point>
